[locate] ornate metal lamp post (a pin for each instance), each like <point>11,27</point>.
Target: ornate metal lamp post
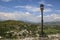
<point>42,8</point>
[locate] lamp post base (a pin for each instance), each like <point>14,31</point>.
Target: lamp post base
<point>43,37</point>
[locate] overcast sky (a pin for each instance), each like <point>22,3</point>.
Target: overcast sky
<point>29,10</point>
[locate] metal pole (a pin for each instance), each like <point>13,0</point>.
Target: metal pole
<point>42,8</point>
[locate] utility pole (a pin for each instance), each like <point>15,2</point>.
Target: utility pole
<point>42,8</point>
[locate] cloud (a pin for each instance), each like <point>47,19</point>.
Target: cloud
<point>14,15</point>
<point>33,9</point>
<point>49,5</point>
<point>18,16</point>
<point>52,17</point>
<point>57,11</point>
<point>28,17</point>
<point>6,0</point>
<point>29,8</point>
<point>47,10</point>
<point>46,4</point>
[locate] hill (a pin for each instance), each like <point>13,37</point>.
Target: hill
<point>10,28</point>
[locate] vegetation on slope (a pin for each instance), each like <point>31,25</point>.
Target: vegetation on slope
<point>12,28</point>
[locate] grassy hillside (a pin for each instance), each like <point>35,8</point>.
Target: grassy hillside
<point>10,27</point>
